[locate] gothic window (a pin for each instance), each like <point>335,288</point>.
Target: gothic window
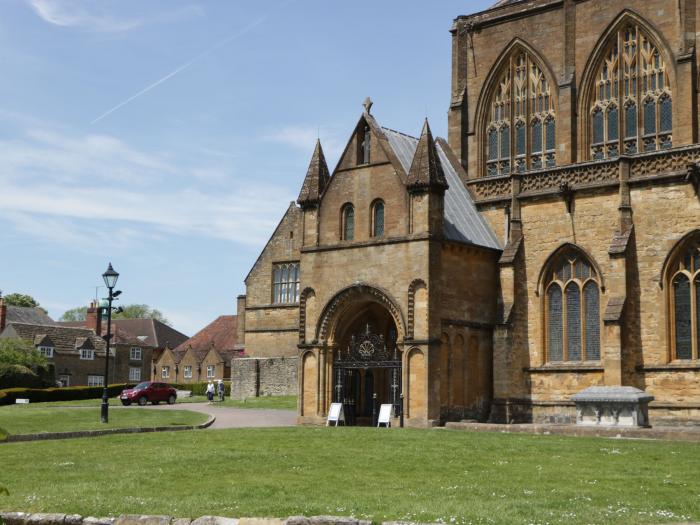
<point>685,303</point>
<point>521,109</point>
<point>364,143</point>
<point>378,219</point>
<point>632,76</point>
<point>348,223</point>
<point>285,283</point>
<point>572,306</point>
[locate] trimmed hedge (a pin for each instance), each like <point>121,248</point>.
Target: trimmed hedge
<point>200,388</point>
<point>18,376</point>
<point>68,393</point>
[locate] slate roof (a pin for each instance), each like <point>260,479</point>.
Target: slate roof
<point>120,335</point>
<point>220,334</point>
<point>22,314</point>
<point>462,220</point>
<point>151,332</point>
<point>64,338</point>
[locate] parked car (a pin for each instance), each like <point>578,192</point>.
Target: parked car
<point>148,391</point>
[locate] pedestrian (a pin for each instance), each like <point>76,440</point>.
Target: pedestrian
<point>221,390</point>
<point>210,391</point>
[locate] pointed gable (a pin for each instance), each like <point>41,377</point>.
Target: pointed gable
<point>426,170</point>
<point>316,178</point>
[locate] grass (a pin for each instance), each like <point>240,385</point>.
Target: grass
<point>33,419</point>
<point>268,402</point>
<point>418,475</point>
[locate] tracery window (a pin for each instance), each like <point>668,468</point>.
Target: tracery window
<point>378,219</point>
<point>572,307</point>
<point>347,219</point>
<point>632,94</point>
<point>285,283</point>
<point>685,303</point>
<point>521,131</point>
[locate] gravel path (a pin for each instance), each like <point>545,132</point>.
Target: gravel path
<point>237,417</point>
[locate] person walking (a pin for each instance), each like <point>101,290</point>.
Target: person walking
<point>210,391</point>
<point>220,387</point>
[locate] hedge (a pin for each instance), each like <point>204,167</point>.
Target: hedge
<point>68,393</point>
<point>200,388</point>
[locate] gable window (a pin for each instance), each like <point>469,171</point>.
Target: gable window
<point>87,354</point>
<point>188,372</point>
<point>165,372</point>
<point>96,381</point>
<point>135,354</point>
<point>134,373</point>
<point>685,303</point>
<point>632,93</point>
<point>572,310</point>
<point>348,222</point>
<point>364,145</point>
<point>285,283</point>
<point>210,371</point>
<point>46,351</point>
<point>378,219</point>
<point>522,112</point>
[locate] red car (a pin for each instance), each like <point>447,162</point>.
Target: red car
<point>149,391</point>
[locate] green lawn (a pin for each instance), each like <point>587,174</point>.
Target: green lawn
<point>418,475</point>
<point>270,402</point>
<point>32,419</point>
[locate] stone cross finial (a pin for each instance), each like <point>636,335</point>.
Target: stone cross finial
<point>367,104</point>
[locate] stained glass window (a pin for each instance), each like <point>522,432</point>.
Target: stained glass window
<point>505,142</point>
<point>378,220</point>
<point>285,283</point>
<point>550,131</point>
<point>681,294</point>
<point>573,321</point>
<point>556,322</point>
<point>591,295</point>
<point>520,138</point>
<point>348,222</point>
<point>493,144</point>
<point>627,75</point>
<point>537,136</point>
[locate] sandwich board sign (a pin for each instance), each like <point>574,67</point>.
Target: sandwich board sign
<point>335,414</point>
<point>386,412</point>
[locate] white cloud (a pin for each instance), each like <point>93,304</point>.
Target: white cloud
<point>303,138</point>
<point>91,16</point>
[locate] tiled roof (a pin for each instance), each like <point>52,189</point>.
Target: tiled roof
<point>120,336</point>
<point>22,314</point>
<point>220,334</point>
<point>64,339</point>
<point>462,220</point>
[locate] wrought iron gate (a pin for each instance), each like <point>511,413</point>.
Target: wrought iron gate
<point>365,352</point>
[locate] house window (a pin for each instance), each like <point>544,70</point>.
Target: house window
<point>188,372</point>
<point>572,307</point>
<point>347,220</point>
<point>46,351</point>
<point>685,303</point>
<point>633,77</point>
<point>134,373</point>
<point>363,152</point>
<point>87,354</point>
<point>136,354</point>
<point>165,372</point>
<point>96,381</point>
<point>378,219</point>
<point>210,371</point>
<point>522,102</point>
<point>285,283</point>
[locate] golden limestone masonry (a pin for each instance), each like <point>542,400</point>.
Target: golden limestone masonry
<point>549,245</point>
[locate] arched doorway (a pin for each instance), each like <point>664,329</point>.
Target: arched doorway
<point>366,362</point>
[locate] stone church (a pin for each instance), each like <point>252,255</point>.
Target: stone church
<point>550,244</point>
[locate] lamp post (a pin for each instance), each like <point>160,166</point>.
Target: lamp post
<point>110,277</point>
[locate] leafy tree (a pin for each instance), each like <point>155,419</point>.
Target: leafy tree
<point>75,314</point>
<point>16,351</point>
<point>18,299</point>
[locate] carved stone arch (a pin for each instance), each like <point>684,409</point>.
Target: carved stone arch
<point>334,309</point>
<point>554,256</point>
<point>412,306</point>
<point>490,84</point>
<point>305,294</point>
<point>588,79</point>
<point>679,247</point>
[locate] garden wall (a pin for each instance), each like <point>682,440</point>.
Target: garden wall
<point>263,376</point>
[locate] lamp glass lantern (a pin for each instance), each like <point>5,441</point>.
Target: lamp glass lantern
<point>110,277</point>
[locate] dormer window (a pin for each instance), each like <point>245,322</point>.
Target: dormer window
<point>87,354</point>
<point>46,351</point>
<point>363,152</point>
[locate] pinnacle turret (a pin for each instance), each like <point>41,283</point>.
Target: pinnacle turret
<point>316,179</point>
<point>426,171</point>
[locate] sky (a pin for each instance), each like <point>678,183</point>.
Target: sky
<point>169,136</point>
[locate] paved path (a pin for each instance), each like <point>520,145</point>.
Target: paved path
<point>227,417</point>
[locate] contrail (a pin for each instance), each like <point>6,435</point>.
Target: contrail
<point>184,66</point>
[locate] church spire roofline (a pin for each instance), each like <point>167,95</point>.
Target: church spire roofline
<point>316,179</point>
<point>426,171</point>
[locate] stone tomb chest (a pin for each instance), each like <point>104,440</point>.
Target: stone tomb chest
<point>623,406</point>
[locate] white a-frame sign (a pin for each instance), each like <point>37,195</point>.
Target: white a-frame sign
<point>335,414</point>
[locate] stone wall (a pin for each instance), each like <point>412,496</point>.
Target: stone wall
<point>265,376</point>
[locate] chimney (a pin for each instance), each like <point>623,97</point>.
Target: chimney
<point>3,313</point>
<point>93,318</point>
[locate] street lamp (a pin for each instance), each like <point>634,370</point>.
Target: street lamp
<point>110,277</point>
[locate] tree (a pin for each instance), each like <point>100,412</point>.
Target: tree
<point>16,351</point>
<point>131,311</point>
<point>18,299</point>
<point>75,314</point>
<point>22,366</point>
